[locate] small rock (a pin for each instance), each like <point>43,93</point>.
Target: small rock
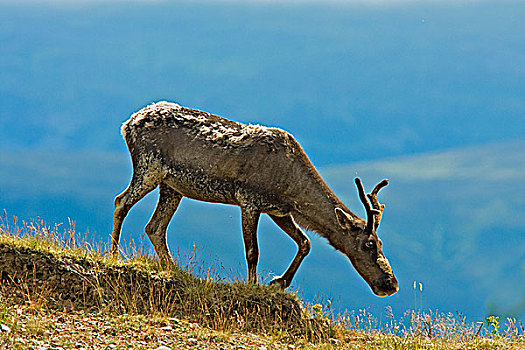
<point>21,340</point>
<point>174,320</point>
<point>40,345</point>
<point>163,347</point>
<point>335,341</point>
<point>192,341</point>
<point>5,328</point>
<point>166,328</point>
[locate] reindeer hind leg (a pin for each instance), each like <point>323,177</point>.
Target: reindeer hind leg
<point>141,184</point>
<point>169,200</point>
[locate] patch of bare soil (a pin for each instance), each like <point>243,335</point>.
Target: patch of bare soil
<point>55,330</point>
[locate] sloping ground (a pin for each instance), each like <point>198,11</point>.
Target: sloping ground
<point>66,283</point>
<point>55,297</point>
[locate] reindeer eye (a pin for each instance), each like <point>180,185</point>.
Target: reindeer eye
<point>369,245</point>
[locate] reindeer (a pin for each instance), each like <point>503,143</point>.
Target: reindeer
<point>194,154</point>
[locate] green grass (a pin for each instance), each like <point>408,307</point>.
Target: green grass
<point>52,275</point>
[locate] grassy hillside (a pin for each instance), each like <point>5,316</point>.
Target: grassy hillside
<point>83,278</point>
<point>59,292</point>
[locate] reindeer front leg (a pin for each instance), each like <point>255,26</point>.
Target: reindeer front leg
<point>250,220</point>
<point>288,225</point>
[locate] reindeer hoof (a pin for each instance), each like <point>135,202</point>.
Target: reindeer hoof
<point>279,282</point>
<point>115,255</point>
<point>167,264</point>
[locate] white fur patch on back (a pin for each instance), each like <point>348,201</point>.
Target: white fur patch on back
<point>200,124</point>
<point>158,109</point>
<point>217,132</point>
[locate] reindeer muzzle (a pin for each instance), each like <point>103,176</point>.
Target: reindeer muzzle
<point>385,286</point>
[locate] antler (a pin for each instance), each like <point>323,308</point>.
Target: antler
<point>374,212</point>
<point>375,203</point>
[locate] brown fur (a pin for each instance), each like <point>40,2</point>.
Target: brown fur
<point>186,152</point>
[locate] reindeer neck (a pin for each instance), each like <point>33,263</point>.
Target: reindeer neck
<point>316,211</point>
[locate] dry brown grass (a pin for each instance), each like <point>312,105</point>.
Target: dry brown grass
<point>54,284</point>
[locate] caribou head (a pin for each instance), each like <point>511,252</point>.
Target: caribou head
<point>365,248</point>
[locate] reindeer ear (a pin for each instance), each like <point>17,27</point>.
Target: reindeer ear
<point>343,218</point>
